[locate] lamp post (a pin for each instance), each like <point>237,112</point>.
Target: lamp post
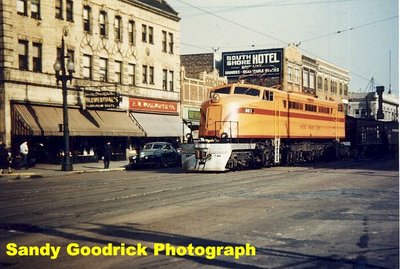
<point>64,77</point>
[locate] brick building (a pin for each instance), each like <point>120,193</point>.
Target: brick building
<point>198,75</point>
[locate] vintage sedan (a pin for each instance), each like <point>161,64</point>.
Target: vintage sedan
<point>156,155</point>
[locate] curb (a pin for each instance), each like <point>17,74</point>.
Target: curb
<point>20,176</point>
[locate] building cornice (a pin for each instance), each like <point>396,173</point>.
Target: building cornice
<point>139,4</point>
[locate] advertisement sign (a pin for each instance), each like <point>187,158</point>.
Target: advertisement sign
<point>102,99</point>
<point>266,63</point>
<point>138,104</point>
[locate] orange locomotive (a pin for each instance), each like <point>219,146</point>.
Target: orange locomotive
<point>245,125</point>
<point>247,111</point>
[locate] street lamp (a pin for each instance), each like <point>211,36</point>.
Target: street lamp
<point>64,77</point>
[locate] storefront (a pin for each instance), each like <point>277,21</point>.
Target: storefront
<point>159,120</point>
<point>89,130</point>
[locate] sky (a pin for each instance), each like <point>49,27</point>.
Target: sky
<point>361,36</point>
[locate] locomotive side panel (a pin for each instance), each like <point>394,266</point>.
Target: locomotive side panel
<point>271,114</point>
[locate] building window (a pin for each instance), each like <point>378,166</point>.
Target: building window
<point>37,57</point>
<point>194,115</point>
<point>103,23</point>
<point>171,43</point>
<point>151,75</point>
<point>319,83</point>
<point>86,19</point>
<point>305,79</point>
<point>23,54</point>
<point>340,88</point>
<point>131,32</point>
<point>333,87</point>
<point>70,10</point>
<point>171,81</point>
<point>87,66</point>
<point>144,33</point>
<point>35,9</point>
<point>59,9</point>
<point>165,79</point>
<point>103,72</point>
<point>346,88</point>
<point>290,74</point>
<point>297,76</point>
<point>144,74</point>
<point>326,84</point>
<point>164,41</point>
<point>132,74</point>
<point>22,8</point>
<point>117,27</point>
<point>312,80</point>
<point>118,72</point>
<point>151,35</point>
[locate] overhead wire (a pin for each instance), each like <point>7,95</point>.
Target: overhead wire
<point>235,23</point>
<point>348,29</point>
<point>285,42</point>
<point>224,9</point>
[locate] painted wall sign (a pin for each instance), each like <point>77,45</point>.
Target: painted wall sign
<point>138,104</point>
<point>102,99</point>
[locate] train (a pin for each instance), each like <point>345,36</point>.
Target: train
<point>246,126</point>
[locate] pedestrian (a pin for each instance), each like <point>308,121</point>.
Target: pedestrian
<point>107,155</point>
<point>24,151</point>
<point>4,158</point>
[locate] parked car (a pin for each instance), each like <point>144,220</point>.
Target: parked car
<point>156,155</point>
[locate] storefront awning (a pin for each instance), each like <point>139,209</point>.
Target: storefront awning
<point>45,120</point>
<point>156,125</point>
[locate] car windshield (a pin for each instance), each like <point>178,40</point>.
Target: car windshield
<point>152,146</point>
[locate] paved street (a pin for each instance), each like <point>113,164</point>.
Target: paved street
<point>331,215</point>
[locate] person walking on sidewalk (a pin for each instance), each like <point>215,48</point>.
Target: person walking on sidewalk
<point>4,158</point>
<point>107,155</point>
<point>24,151</point>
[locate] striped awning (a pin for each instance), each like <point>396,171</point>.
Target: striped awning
<point>45,120</point>
<point>156,125</point>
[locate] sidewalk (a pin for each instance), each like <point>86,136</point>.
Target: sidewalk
<point>54,170</point>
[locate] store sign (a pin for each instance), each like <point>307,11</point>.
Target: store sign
<point>102,99</point>
<point>148,105</point>
<point>257,62</point>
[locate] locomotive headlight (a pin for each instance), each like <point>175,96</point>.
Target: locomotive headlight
<point>215,98</point>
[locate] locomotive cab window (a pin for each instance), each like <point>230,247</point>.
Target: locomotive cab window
<point>247,91</point>
<point>268,96</point>
<point>225,90</point>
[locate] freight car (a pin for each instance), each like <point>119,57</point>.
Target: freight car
<point>372,138</point>
<point>245,126</point>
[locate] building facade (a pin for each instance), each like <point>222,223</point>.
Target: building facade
<point>198,76</point>
<point>365,105</point>
<point>289,70</point>
<point>313,76</point>
<point>126,71</point>
<point>332,82</point>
